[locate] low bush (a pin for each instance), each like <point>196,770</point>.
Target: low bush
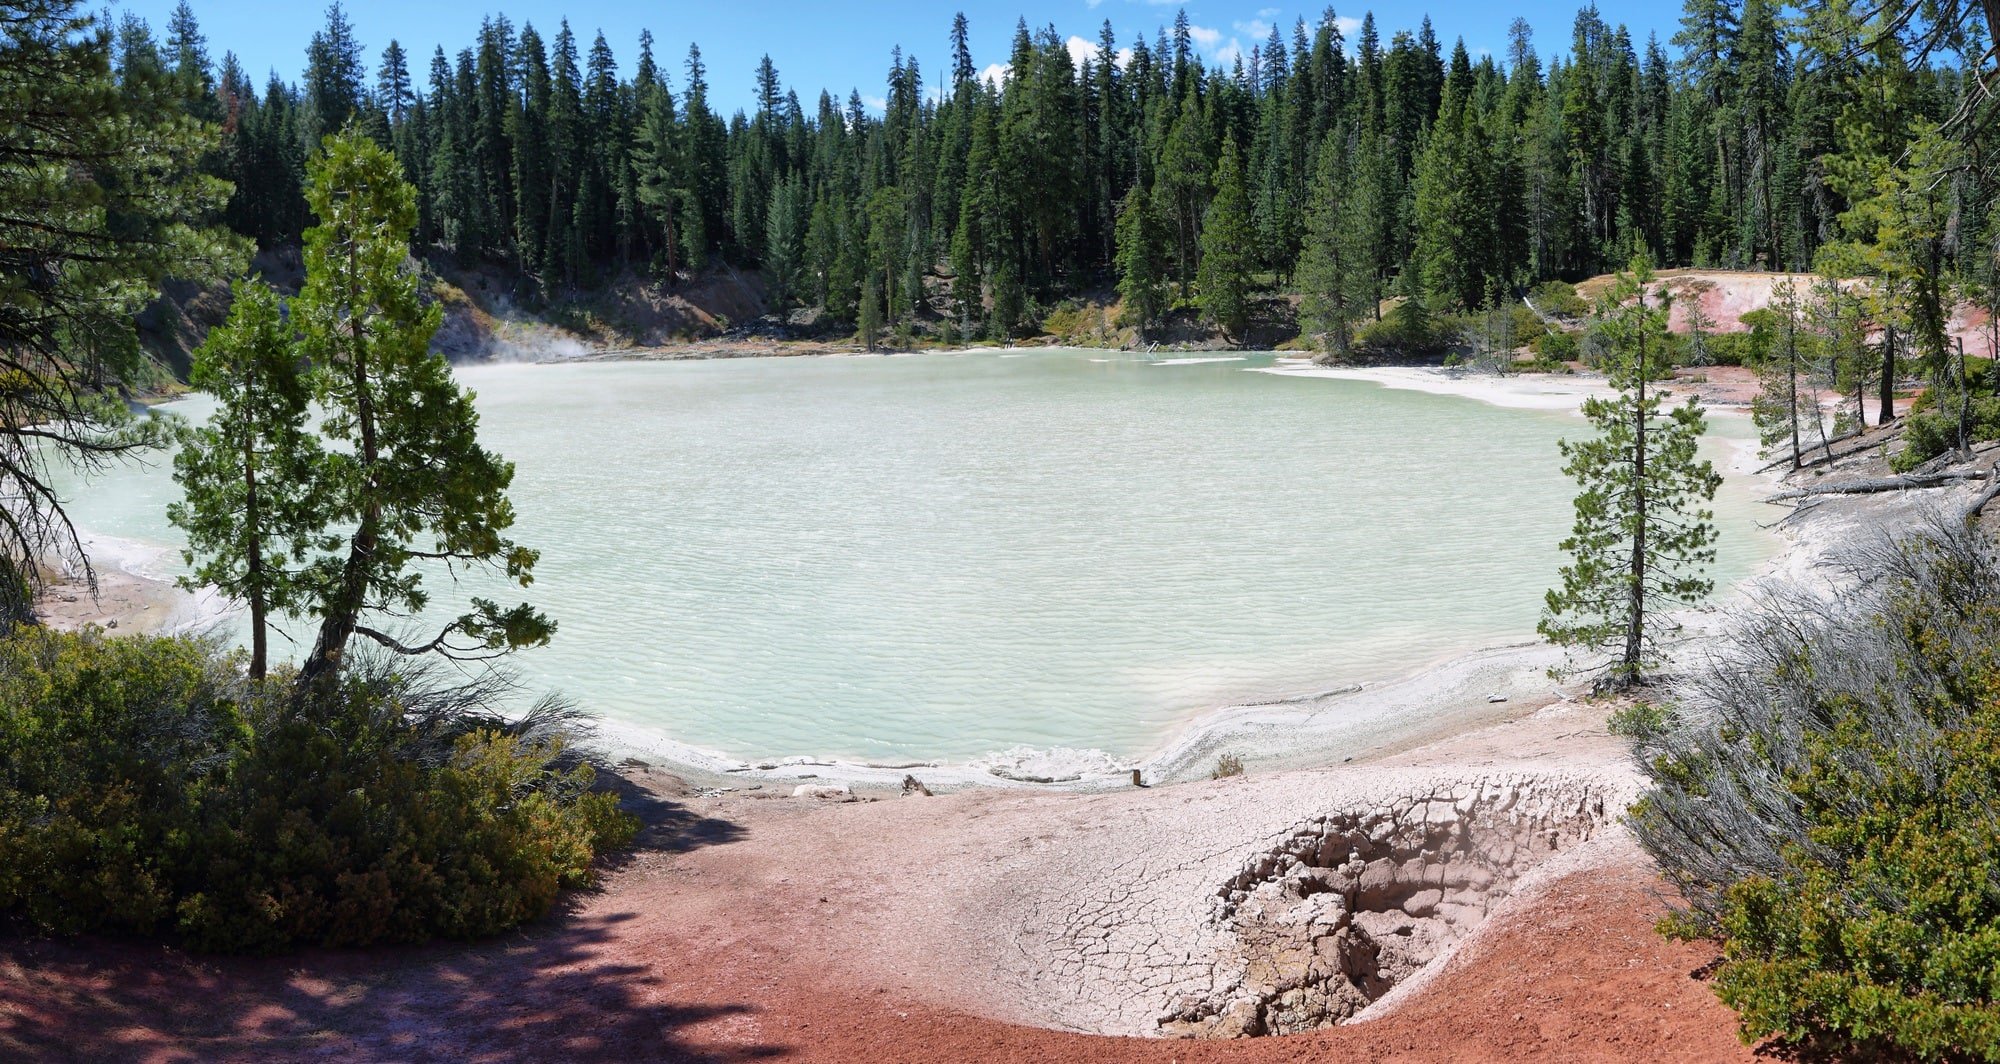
<point>1827,799</point>
<point>1638,720</point>
<point>1559,299</point>
<point>1734,349</point>
<point>147,788</point>
<point>1556,345</point>
<point>1408,330</point>
<point>1527,326</point>
<point>1930,429</point>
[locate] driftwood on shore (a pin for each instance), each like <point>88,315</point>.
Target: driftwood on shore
<point>1873,485</point>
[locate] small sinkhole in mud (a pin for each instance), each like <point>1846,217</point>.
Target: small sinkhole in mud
<point>1349,906</point>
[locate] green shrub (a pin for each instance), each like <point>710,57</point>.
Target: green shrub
<point>1556,345</point>
<point>1408,330</point>
<point>1526,325</point>
<point>1638,720</point>
<point>1559,299</point>
<point>107,748</point>
<point>1827,800</point>
<point>1930,430</point>
<point>1734,348</point>
<point>146,788</point>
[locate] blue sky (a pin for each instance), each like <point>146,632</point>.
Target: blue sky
<point>832,45</point>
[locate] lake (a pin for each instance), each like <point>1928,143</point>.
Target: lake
<point>944,555</point>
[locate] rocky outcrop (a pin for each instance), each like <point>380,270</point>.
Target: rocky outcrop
<point>1332,918</point>
<point>1265,904</point>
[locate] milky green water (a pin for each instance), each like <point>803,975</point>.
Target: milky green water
<point>939,556</point>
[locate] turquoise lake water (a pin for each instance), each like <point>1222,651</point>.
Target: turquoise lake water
<point>943,555</point>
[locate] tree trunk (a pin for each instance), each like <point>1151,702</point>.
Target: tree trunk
<point>253,554</point>
<point>1964,404</point>
<point>1888,385</point>
<point>1879,485</point>
<point>1635,625</point>
<point>1792,385</point>
<point>344,611</point>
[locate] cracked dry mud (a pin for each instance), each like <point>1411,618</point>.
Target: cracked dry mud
<point>1300,922</point>
<point>1355,903</point>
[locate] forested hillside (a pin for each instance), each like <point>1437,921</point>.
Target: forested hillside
<point>969,202</point>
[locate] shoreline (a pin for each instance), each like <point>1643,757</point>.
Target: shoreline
<point>1042,915</point>
<point>1449,694</point>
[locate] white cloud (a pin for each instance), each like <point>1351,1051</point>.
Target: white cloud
<point>1080,50</point>
<point>1267,12</point>
<point>995,73</point>
<point>1347,24</point>
<point>875,103</point>
<point>1256,29</point>
<point>1210,41</point>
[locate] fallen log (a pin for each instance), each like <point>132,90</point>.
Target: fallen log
<point>1873,485</point>
<point>1817,459</point>
<point>1973,508</point>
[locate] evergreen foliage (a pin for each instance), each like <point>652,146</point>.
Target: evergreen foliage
<point>1227,247</point>
<point>1464,177</point>
<point>406,473</point>
<point>147,787</point>
<point>249,510</point>
<point>1643,533</point>
<point>102,196</point>
<point>1824,800</point>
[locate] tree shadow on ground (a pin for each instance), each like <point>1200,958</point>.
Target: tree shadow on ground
<point>665,825</point>
<point>576,986</point>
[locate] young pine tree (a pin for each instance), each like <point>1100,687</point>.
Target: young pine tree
<point>247,514</point>
<point>870,314</point>
<point>1776,409</point>
<point>1228,249</point>
<point>409,478</point>
<point>1142,262</point>
<point>1644,535</point>
<point>1332,271</point>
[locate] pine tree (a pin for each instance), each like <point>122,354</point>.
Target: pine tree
<point>101,198</point>
<point>392,85</point>
<point>1142,280</point>
<point>785,244</point>
<point>869,318</point>
<point>1182,187</point>
<point>333,76</point>
<point>188,50</point>
<point>1643,535</point>
<point>395,419</point>
<point>1778,407</point>
<point>1228,249</point>
<point>245,515</point>
<point>1333,270</point>
<point>1453,212</point>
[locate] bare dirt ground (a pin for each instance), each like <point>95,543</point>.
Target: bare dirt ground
<point>123,602</point>
<point>1726,295</point>
<point>747,928</point>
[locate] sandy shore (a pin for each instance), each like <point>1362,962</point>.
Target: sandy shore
<point>131,594</point>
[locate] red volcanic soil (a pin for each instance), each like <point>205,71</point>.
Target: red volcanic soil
<point>689,953</point>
